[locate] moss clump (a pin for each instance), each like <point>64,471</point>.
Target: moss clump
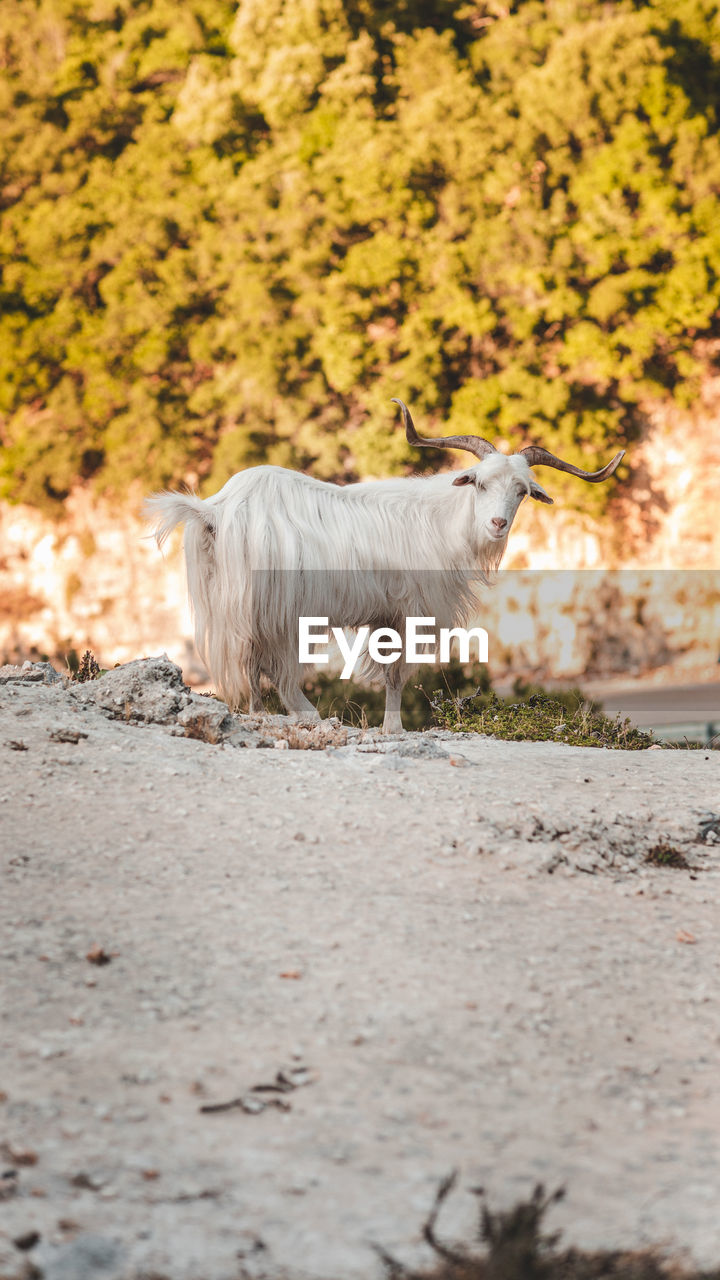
<point>542,717</point>
<point>666,855</point>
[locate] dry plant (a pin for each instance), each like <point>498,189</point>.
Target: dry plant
<point>314,737</point>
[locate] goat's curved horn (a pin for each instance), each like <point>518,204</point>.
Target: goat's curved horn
<point>537,457</point>
<point>474,444</point>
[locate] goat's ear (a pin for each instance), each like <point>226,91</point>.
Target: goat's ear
<point>539,494</point>
<point>466,478</point>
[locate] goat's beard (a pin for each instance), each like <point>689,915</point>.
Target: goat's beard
<point>490,552</point>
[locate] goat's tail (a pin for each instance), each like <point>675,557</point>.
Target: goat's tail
<point>166,511</point>
<point>169,509</point>
<point>217,585</point>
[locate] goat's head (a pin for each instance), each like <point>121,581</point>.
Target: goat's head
<point>501,481</point>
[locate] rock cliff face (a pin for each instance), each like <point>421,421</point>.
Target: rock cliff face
<point>96,580</point>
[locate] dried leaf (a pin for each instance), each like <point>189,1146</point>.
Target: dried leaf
<point>286,1080</point>
<point>248,1102</point>
<point>8,1183</point>
<point>295,1077</point>
<point>22,1157</point>
<point>26,1241</point>
<point>67,735</point>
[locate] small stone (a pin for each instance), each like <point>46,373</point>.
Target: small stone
<point>205,719</point>
<point>27,1241</point>
<point>148,689</point>
<point>22,1157</point>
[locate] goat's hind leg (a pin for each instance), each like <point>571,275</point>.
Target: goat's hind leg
<point>286,679</point>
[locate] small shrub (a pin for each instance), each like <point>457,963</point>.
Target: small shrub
<point>666,855</point>
<point>87,669</point>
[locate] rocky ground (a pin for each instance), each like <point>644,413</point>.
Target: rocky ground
<point>438,952</point>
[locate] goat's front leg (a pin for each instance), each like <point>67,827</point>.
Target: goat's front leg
<point>297,705</point>
<point>254,679</point>
<point>392,721</point>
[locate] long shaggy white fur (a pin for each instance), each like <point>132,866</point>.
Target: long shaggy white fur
<point>274,545</point>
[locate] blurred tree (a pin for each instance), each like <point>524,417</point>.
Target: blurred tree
<point>231,232</point>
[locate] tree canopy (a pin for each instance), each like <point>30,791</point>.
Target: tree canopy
<point>230,233</point>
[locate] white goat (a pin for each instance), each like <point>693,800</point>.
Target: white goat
<point>275,545</point>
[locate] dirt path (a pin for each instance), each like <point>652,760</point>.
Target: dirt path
<point>472,958</point>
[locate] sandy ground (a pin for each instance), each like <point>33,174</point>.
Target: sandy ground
<point>467,951</point>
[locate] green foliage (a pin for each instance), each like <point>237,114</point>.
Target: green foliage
<point>231,232</point>
<point>542,717</point>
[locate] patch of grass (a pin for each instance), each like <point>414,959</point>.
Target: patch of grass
<point>462,698</point>
<point>541,717</point>
<point>666,855</point>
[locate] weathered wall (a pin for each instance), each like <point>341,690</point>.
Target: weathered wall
<point>95,580</point>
